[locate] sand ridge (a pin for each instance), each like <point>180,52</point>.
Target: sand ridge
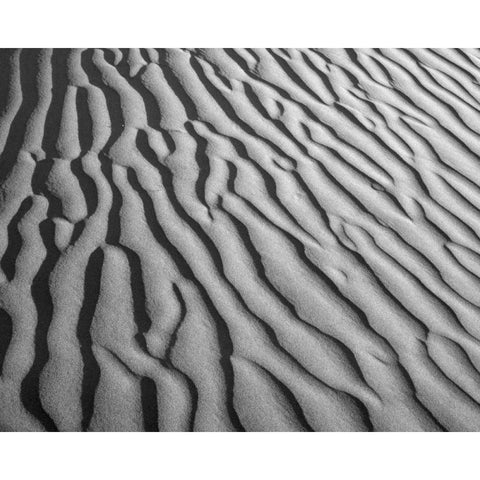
<point>239,240</point>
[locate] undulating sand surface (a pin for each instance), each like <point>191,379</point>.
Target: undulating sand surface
<point>240,240</point>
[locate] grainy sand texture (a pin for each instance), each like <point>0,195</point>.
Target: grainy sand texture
<point>239,240</point>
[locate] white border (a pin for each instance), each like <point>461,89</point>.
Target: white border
<point>248,23</point>
<point>372,456</point>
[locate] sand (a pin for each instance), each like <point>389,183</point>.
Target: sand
<point>240,240</point>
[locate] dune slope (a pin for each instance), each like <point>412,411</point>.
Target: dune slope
<point>239,240</point>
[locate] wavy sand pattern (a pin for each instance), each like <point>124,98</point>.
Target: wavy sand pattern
<point>230,240</point>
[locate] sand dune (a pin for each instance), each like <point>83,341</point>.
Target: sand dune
<point>240,240</point>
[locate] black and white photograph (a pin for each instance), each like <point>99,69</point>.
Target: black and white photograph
<point>238,238</point>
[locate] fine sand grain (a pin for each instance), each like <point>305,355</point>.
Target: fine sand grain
<point>239,240</point>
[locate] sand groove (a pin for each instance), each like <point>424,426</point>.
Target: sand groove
<point>238,240</point>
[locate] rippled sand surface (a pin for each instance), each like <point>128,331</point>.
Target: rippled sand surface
<point>230,240</point>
